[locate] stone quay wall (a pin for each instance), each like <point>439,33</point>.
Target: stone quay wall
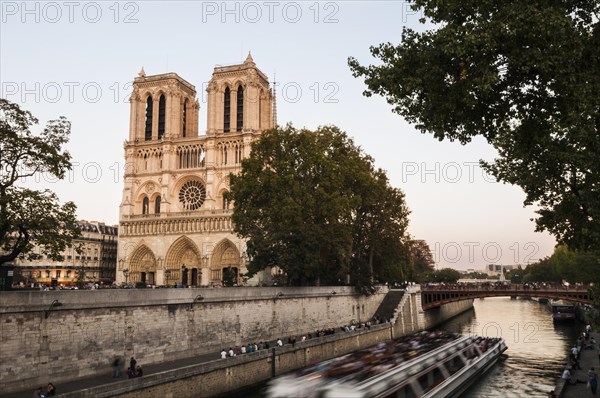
<point>80,337</point>
<point>412,318</point>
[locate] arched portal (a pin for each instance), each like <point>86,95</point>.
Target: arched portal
<point>183,262</point>
<point>225,265</point>
<point>142,266</point>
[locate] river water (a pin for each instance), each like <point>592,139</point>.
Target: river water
<point>537,348</point>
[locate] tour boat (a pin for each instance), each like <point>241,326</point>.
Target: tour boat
<point>427,365</point>
<point>562,311</point>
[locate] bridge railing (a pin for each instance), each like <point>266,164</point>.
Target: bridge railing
<point>510,287</point>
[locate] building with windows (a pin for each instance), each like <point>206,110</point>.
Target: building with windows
<point>174,222</point>
<point>91,258</point>
<point>498,269</point>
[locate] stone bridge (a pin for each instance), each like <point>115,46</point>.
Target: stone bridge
<point>435,295</point>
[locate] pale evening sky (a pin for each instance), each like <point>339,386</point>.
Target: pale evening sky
<point>78,59</point>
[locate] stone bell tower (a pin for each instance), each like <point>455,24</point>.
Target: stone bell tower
<point>175,225</point>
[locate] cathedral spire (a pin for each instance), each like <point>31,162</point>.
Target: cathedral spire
<point>249,59</point>
<point>274,110</point>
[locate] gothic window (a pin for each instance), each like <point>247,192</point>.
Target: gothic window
<point>227,110</point>
<point>184,121</point>
<point>190,157</point>
<point>240,109</point>
<point>238,153</point>
<point>157,205</point>
<point>148,131</point>
<point>162,110</point>
<point>224,154</point>
<point>192,194</point>
<point>225,201</point>
<point>260,110</point>
<point>145,205</point>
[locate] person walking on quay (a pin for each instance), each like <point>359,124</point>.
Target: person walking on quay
<point>132,363</point>
<point>593,380</point>
<point>50,390</point>
<point>116,365</point>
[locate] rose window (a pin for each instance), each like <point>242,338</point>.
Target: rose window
<point>192,195</point>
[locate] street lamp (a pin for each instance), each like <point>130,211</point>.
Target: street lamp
<point>55,303</point>
<point>126,275</point>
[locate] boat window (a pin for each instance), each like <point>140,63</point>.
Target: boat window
<point>424,382</point>
<point>408,392</point>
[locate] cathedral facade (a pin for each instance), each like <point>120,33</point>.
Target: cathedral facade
<point>174,222</point>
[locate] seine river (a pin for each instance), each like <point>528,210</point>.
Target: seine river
<point>537,348</point>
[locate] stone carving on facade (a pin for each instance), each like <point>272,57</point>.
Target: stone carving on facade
<point>252,78</point>
<point>135,95</point>
<point>212,86</point>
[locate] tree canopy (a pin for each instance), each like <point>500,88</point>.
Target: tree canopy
<point>562,265</point>
<point>422,258</point>
<point>313,204</point>
<point>30,217</point>
<point>525,75</point>
<point>444,275</point>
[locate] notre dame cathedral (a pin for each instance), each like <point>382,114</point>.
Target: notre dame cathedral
<point>174,223</point>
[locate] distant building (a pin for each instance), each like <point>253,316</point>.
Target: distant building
<point>498,269</point>
<point>96,260</point>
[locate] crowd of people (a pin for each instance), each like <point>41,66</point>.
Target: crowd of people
<point>292,340</point>
<point>584,342</point>
<point>505,285</point>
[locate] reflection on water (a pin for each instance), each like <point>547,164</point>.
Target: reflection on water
<point>537,348</point>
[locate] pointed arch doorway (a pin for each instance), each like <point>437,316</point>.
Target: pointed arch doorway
<point>183,262</point>
<point>225,265</point>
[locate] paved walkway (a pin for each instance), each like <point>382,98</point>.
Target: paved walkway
<point>93,381</point>
<point>98,380</point>
<point>588,359</point>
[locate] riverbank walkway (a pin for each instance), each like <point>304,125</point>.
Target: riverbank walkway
<point>75,388</point>
<point>98,380</point>
<point>587,359</point>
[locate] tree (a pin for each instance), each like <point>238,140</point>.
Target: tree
<point>32,218</point>
<point>422,258</point>
<point>312,204</point>
<point>229,277</point>
<point>445,275</point>
<point>380,251</point>
<point>525,75</point>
